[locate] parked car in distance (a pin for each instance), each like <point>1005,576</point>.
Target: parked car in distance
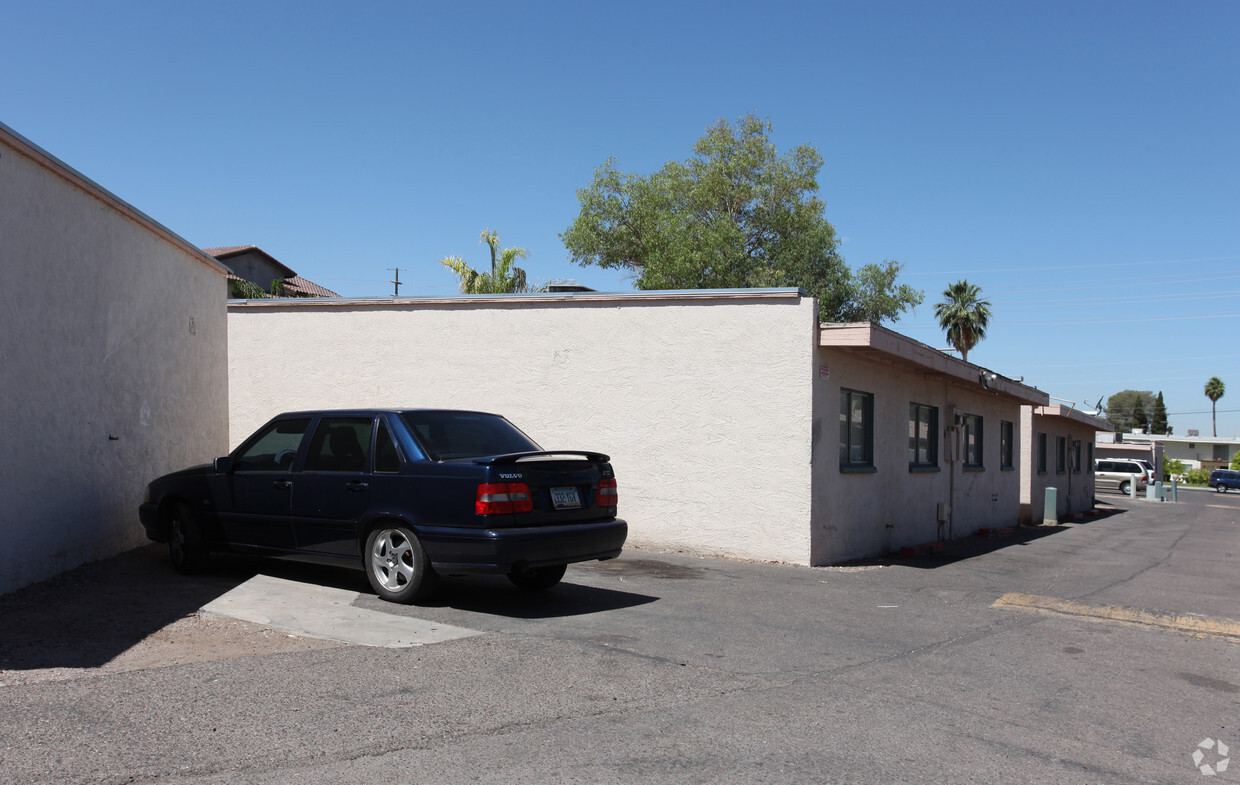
<point>1223,480</point>
<point>405,495</point>
<point>1119,475</point>
<point>1150,474</point>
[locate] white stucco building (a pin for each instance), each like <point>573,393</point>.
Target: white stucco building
<point>738,425</point>
<point>113,350</point>
<point>1196,452</point>
<point>1058,452</point>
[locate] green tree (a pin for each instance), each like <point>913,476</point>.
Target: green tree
<point>1158,419</point>
<point>505,276</point>
<point>735,215</point>
<point>1214,390</point>
<point>964,315</point>
<point>1139,420</point>
<point>1122,406</point>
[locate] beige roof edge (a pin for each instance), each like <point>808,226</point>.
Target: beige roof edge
<point>58,167</point>
<point>864,335</point>
<point>1076,415</point>
<point>654,295</point>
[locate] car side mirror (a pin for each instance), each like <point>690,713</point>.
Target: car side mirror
<point>224,465</point>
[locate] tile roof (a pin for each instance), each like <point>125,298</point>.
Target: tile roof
<point>294,284</point>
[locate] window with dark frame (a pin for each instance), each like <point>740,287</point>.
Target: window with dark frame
<point>923,436</point>
<point>856,430</point>
<point>1061,454</point>
<point>1041,453</point>
<point>1076,456</point>
<point>973,441</point>
<point>1007,433</point>
<point>1089,465</point>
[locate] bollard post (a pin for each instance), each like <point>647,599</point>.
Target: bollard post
<point>1175,491</point>
<point>1132,487</point>
<point>1050,507</point>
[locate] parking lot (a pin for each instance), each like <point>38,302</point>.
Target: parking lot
<point>1100,651</point>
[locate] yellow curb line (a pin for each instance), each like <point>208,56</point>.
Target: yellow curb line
<point>1171,621</point>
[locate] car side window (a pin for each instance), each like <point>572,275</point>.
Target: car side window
<point>274,448</point>
<point>387,459</point>
<point>340,444</point>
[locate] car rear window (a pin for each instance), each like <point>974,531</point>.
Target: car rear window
<point>447,436</point>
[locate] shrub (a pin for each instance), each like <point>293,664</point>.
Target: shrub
<point>1196,477</point>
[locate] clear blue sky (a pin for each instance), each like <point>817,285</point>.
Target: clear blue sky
<point>1079,161</point>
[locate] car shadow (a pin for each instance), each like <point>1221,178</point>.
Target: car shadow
<point>87,616</point>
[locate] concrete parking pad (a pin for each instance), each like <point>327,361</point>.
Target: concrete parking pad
<point>325,612</point>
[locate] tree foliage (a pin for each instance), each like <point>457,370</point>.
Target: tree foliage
<point>1214,390</point>
<point>504,278</point>
<point>1121,409</point>
<point>1158,417</point>
<point>735,215</point>
<point>964,315</point>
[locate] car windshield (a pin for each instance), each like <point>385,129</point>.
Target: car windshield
<point>447,435</point>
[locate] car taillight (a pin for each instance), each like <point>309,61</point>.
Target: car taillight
<point>500,498</point>
<point>607,493</point>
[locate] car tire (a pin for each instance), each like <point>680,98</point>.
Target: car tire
<point>187,549</point>
<point>1221,488</point>
<point>1125,487</point>
<point>539,578</point>
<point>397,565</point>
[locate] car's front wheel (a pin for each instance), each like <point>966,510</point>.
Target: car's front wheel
<point>397,566</point>
<point>186,546</point>
<point>1221,488</point>
<point>539,578</point>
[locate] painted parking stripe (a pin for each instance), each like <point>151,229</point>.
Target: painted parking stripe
<point>324,612</point>
<point>1181,622</point>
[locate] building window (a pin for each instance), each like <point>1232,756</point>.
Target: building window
<point>1076,457</point>
<point>1061,454</point>
<point>1007,433</point>
<point>973,442</point>
<point>923,437</point>
<point>856,431</point>
<point>1089,465</point>
<point>1041,453</point>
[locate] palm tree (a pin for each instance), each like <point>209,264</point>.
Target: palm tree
<point>504,277</point>
<point>1214,390</point>
<point>964,315</point>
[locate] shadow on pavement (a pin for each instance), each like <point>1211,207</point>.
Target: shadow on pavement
<point>496,596</point>
<point>87,616</point>
<point>942,554</point>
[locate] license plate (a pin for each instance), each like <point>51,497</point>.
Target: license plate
<point>565,498</point>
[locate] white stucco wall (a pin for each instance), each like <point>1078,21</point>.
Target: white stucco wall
<point>113,358</point>
<point>703,400</point>
<point>865,514</point>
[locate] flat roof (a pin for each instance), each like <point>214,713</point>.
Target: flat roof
<point>1076,415</point>
<point>643,296</point>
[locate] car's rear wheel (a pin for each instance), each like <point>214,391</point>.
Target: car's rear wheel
<point>1221,488</point>
<point>186,546</point>
<point>1125,487</point>
<point>539,578</point>
<point>397,565</point>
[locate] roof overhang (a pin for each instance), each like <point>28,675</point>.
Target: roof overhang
<point>887,346</point>
<point>1075,415</point>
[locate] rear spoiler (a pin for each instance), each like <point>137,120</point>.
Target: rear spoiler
<point>543,455</point>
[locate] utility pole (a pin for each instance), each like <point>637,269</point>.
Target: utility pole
<point>396,283</point>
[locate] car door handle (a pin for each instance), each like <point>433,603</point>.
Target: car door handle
<point>357,486</point>
<point>282,484</point>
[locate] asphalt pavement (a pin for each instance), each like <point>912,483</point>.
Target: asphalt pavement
<point>1100,651</point>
